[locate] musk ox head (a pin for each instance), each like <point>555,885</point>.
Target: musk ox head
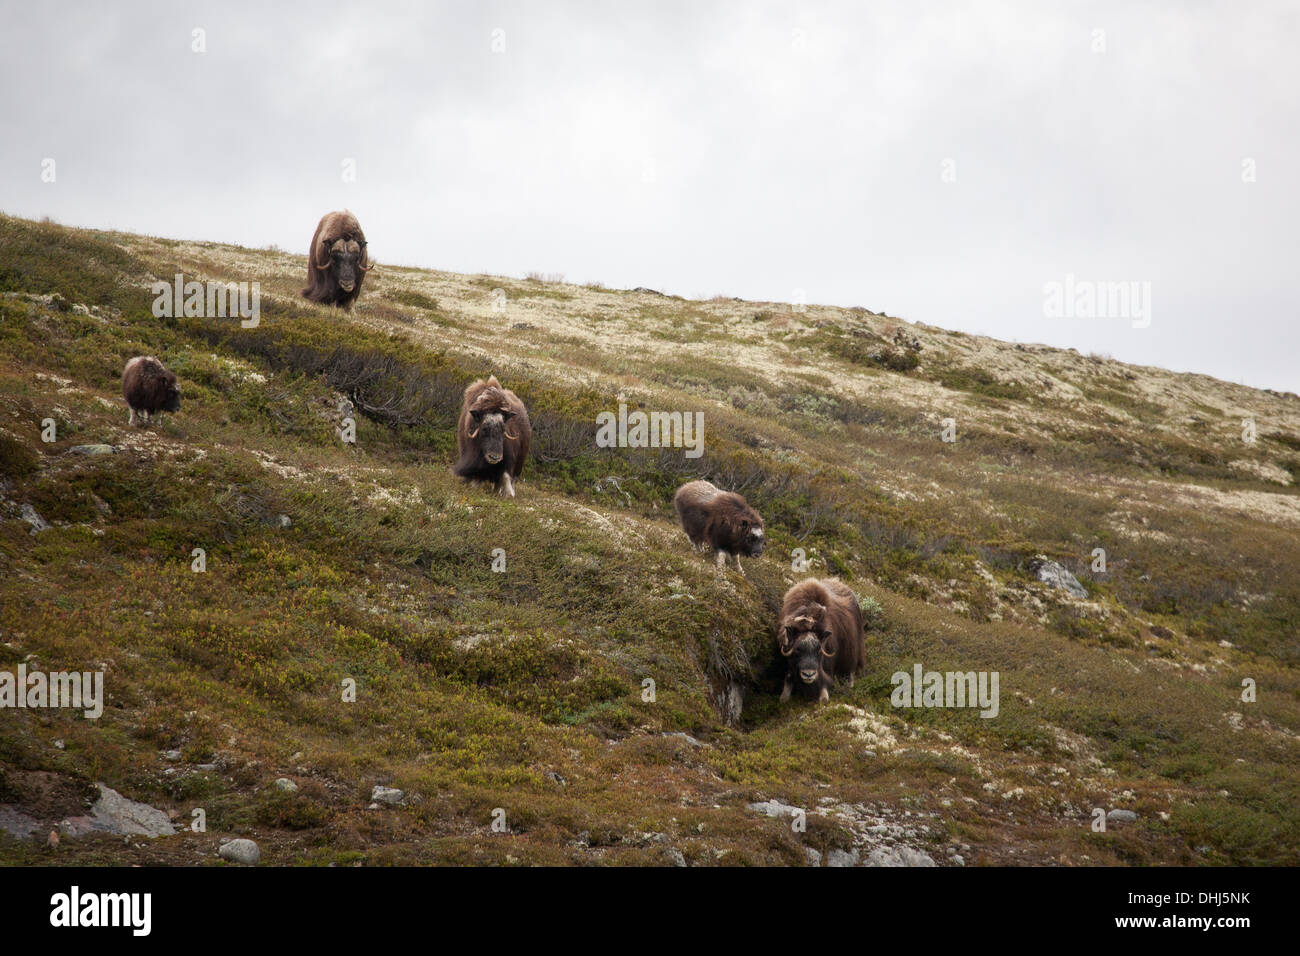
<point>490,424</point>
<point>808,645</point>
<point>751,535</point>
<point>171,401</point>
<point>344,261</point>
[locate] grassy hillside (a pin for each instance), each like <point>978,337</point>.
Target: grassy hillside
<point>524,691</point>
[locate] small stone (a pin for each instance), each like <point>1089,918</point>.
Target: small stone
<point>240,851</point>
<point>1055,575</point>
<point>814,856</point>
<point>39,524</point>
<point>388,795</point>
<point>59,744</point>
<point>1121,816</point>
<point>91,450</point>
<point>287,785</point>
<point>284,521</point>
<point>675,855</point>
<point>172,755</point>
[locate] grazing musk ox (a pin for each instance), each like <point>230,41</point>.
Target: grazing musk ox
<point>820,635</point>
<point>721,520</point>
<point>149,387</point>
<point>337,261</point>
<point>492,435</point>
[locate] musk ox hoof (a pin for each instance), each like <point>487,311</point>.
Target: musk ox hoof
<point>824,696</point>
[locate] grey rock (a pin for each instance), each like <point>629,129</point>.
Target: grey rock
<point>240,851</point>
<point>387,795</point>
<point>287,785</point>
<point>1055,575</point>
<point>16,824</point>
<point>814,856</point>
<point>39,524</point>
<point>91,450</point>
<point>1121,816</point>
<point>114,813</point>
<point>172,755</point>
<point>842,858</point>
<point>675,855</point>
<point>774,808</point>
<point>688,738</point>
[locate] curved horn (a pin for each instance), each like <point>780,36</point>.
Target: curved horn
<point>322,268</point>
<point>474,433</point>
<point>830,642</point>
<point>510,436</point>
<point>366,268</point>
<point>782,648</point>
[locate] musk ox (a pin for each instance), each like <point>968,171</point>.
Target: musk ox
<point>721,520</point>
<point>492,435</point>
<point>820,635</point>
<point>337,261</point>
<point>149,387</point>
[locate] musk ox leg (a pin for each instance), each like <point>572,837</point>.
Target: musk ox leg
<point>850,682</point>
<point>720,559</point>
<point>739,568</point>
<point>132,421</point>
<point>505,485</point>
<point>785,691</point>
<point>825,695</point>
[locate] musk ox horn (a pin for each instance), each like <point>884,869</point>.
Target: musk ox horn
<point>322,268</point>
<point>474,433</point>
<point>508,435</point>
<point>831,644</point>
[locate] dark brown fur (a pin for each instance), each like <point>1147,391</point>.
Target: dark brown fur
<point>500,425</point>
<point>720,520</point>
<point>336,257</point>
<point>149,387</point>
<point>820,631</point>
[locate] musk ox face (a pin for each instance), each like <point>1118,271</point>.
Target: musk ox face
<point>489,429</point>
<point>807,645</point>
<point>172,396</point>
<point>345,262</point>
<point>751,542</point>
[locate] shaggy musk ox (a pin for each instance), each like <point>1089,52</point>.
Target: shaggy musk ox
<point>149,388</point>
<point>721,520</point>
<point>492,435</point>
<point>820,636</point>
<point>337,261</point>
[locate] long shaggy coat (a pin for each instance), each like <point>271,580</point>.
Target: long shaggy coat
<point>337,260</point>
<point>720,520</point>
<point>149,387</point>
<point>492,435</point>
<point>820,634</point>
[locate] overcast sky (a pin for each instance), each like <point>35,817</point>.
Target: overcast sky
<point>939,161</point>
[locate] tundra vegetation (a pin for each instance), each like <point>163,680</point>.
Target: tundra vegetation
<point>527,689</point>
